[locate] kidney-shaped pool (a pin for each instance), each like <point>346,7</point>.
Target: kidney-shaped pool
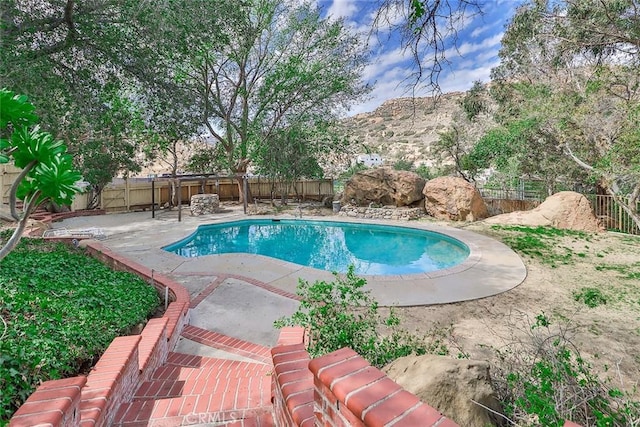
<point>329,245</point>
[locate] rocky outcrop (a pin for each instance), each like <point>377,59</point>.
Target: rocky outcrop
<point>566,209</point>
<point>383,186</point>
<point>453,199</point>
<point>450,385</point>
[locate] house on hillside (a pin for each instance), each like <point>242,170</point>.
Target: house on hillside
<point>369,160</point>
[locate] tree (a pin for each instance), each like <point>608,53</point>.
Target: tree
<point>47,170</point>
<point>293,153</point>
<point>469,123</point>
<point>272,65</point>
<point>572,68</point>
<point>87,66</point>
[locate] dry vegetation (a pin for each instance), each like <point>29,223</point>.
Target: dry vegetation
<point>588,284</point>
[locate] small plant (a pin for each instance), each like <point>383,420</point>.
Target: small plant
<point>424,172</point>
<point>592,297</point>
<point>403,165</point>
<point>342,314</point>
<point>542,380</point>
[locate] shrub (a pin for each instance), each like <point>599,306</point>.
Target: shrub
<point>542,380</point>
<point>403,165</point>
<point>424,172</point>
<point>60,309</point>
<point>592,297</point>
<point>341,314</point>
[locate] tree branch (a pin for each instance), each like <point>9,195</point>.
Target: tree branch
<point>577,160</point>
<point>13,199</point>
<point>30,206</point>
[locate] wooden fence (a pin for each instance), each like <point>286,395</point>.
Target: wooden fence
<point>137,194</point>
<point>8,174</point>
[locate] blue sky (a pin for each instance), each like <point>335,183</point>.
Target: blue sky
<point>477,50</point>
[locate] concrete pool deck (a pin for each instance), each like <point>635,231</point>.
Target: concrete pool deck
<point>490,269</point>
<point>222,362</point>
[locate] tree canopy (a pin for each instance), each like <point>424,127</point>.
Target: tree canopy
<point>568,85</point>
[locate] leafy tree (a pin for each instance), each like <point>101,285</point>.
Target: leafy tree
<point>458,142</point>
<point>270,66</point>
<point>207,159</point>
<point>293,153</point>
<point>571,68</point>
<point>47,170</point>
<point>83,64</point>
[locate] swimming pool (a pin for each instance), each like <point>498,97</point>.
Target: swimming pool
<point>329,245</point>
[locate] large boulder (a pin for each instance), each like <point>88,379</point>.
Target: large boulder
<point>566,209</point>
<point>453,199</point>
<point>451,386</point>
<point>383,186</point>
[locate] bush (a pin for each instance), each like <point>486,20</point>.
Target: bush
<point>543,380</point>
<point>424,172</point>
<point>592,297</point>
<point>403,165</point>
<point>341,314</point>
<point>60,309</point>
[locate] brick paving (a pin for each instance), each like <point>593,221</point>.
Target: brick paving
<point>206,391</point>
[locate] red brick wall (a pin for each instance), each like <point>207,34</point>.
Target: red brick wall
<point>341,389</point>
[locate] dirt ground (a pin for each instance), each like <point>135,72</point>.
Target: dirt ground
<point>608,335</point>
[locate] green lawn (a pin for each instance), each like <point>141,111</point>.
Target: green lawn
<point>60,310</point>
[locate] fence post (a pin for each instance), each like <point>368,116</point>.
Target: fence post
<point>153,198</point>
<point>179,201</point>
<point>245,193</point>
<point>126,194</point>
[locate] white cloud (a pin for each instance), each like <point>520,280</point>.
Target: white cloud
<point>342,9</point>
<point>462,79</point>
<point>479,30</point>
<point>467,48</point>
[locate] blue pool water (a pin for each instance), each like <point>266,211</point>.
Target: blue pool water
<point>332,246</point>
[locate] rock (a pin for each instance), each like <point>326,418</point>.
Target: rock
<point>454,199</point>
<point>566,209</point>
<point>404,214</point>
<point>203,204</point>
<point>450,386</point>
<point>383,186</point>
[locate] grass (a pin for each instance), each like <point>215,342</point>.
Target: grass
<point>546,245</point>
<point>542,242</point>
<point>60,309</point>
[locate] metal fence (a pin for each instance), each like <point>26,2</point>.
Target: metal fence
<point>611,214</point>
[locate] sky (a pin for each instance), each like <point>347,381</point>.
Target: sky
<point>478,44</point>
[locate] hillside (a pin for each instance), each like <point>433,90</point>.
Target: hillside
<point>403,128</point>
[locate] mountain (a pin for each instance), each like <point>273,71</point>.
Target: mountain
<point>403,128</point>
